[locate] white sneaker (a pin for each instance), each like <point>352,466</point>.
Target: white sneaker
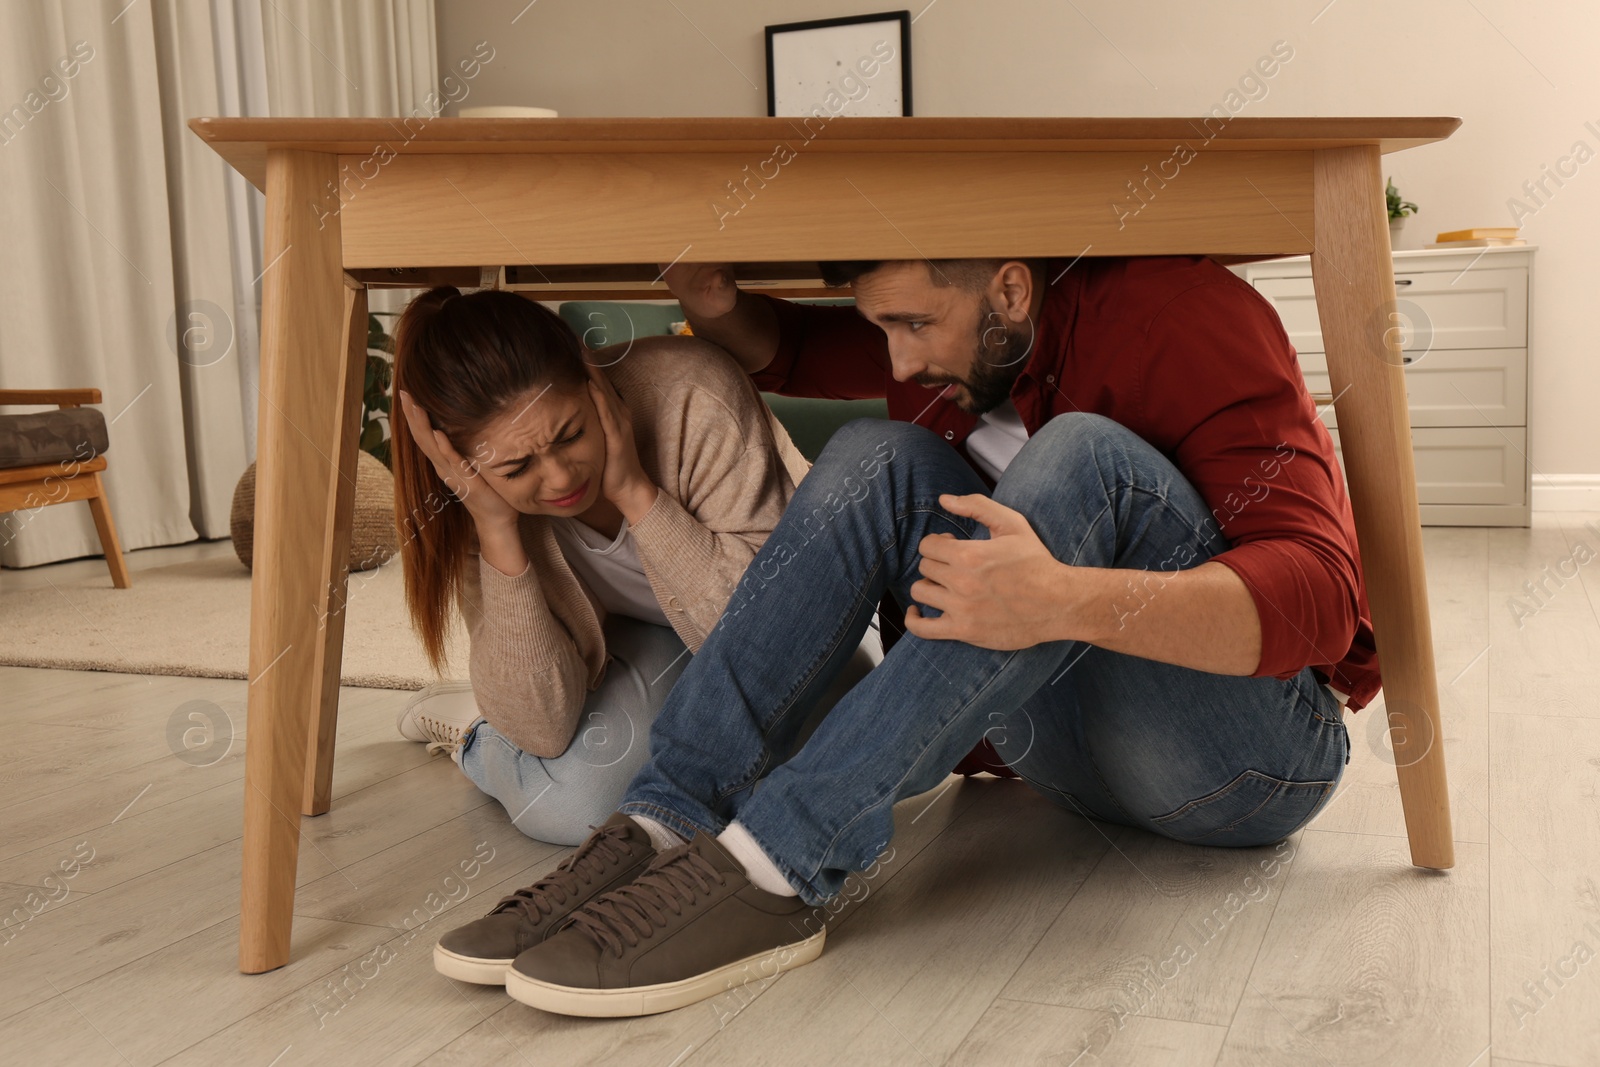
<point>440,715</point>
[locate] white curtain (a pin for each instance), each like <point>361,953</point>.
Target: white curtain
<point>370,58</point>
<point>356,58</point>
<point>132,252</point>
<point>87,272</point>
<point>214,337</point>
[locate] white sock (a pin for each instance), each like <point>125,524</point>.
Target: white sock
<point>763,873</point>
<point>660,837</point>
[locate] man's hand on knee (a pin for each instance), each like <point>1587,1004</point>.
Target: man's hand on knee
<point>1004,593</point>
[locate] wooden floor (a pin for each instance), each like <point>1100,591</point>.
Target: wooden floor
<point>1001,931</point>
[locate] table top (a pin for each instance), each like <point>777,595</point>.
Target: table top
<point>243,142</point>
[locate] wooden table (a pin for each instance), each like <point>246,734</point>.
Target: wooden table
<point>567,208</point>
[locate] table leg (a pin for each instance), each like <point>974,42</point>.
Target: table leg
<point>336,561</point>
<point>1354,279</point>
<point>301,426</point>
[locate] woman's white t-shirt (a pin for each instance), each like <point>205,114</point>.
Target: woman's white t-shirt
<point>611,567</point>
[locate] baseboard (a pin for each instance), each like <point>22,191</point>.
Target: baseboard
<point>1566,492</point>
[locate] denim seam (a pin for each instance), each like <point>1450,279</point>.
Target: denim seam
<point>1088,529</point>
<point>761,765</point>
<point>1167,506</point>
<point>919,507</point>
<point>668,818</point>
<point>1175,512</point>
<point>1322,793</point>
<point>1300,695</point>
<point>967,528</point>
<point>890,788</point>
<point>1071,798</point>
<point>834,642</point>
<point>763,762</point>
<point>1278,785</point>
<point>1094,766</point>
<point>1238,781</point>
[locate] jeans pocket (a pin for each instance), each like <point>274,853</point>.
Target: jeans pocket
<point>1253,809</point>
<point>1326,713</point>
<point>1330,717</point>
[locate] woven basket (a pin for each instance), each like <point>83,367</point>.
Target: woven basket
<point>373,539</point>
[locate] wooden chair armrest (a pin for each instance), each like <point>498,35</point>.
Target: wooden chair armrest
<point>67,398</point>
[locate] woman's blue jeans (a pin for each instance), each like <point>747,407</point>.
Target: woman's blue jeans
<point>561,799</point>
<point>1197,757</point>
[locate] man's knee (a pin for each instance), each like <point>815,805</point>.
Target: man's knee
<point>875,439</point>
<point>856,463</point>
<point>1074,447</point>
<point>1080,436</point>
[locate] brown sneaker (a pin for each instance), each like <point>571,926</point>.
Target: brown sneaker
<point>480,951</point>
<point>690,927</point>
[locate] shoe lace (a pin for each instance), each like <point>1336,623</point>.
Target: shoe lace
<point>439,733</point>
<point>675,878</point>
<point>606,845</point>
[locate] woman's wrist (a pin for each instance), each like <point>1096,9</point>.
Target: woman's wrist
<point>500,546</point>
<point>636,501</point>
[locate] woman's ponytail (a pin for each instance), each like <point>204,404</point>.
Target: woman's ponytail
<point>434,526</point>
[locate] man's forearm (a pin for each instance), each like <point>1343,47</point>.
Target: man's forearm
<point>749,332</point>
<point>1203,618</point>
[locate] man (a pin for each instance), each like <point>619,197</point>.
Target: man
<point>1126,557</point>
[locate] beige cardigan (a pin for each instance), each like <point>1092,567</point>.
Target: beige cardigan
<point>726,470</point>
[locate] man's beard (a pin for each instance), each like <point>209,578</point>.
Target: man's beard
<point>995,367</point>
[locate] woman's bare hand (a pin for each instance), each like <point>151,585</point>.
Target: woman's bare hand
<point>487,507</point>
<point>625,483</point>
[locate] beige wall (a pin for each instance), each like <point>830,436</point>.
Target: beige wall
<point>1522,77</point>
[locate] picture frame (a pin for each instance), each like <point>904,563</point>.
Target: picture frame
<point>855,65</point>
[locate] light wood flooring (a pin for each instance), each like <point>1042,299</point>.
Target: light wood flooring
<point>1001,930</point>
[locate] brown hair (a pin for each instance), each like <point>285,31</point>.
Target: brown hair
<point>464,360</point>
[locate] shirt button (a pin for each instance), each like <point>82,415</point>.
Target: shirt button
<point>1050,378</point>
<point>949,435</point>
<point>672,601</point>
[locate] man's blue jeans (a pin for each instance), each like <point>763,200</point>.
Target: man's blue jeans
<point>1197,757</point>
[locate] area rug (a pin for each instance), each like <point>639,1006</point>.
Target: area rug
<point>193,619</point>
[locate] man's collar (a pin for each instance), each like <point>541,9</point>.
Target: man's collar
<point>1063,286</point>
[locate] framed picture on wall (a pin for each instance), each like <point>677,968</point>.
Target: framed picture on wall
<point>858,65</point>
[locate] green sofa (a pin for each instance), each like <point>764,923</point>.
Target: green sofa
<point>810,422</point>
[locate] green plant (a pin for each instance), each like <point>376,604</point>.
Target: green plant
<point>1398,209</point>
<point>375,392</point>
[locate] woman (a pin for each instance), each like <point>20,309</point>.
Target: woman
<point>590,518</point>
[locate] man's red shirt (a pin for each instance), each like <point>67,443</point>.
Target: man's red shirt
<point>1192,359</point>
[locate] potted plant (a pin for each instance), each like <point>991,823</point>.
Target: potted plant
<point>375,393</point>
<point>1398,210</point>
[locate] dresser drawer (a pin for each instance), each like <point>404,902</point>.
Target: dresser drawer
<point>1466,387</point>
<point>1437,309</point>
<point>1467,465</point>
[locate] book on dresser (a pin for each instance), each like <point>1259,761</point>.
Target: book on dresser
<point>1466,331</point>
<point>1479,242</point>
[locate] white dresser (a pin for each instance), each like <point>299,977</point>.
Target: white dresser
<point>1465,328</point>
